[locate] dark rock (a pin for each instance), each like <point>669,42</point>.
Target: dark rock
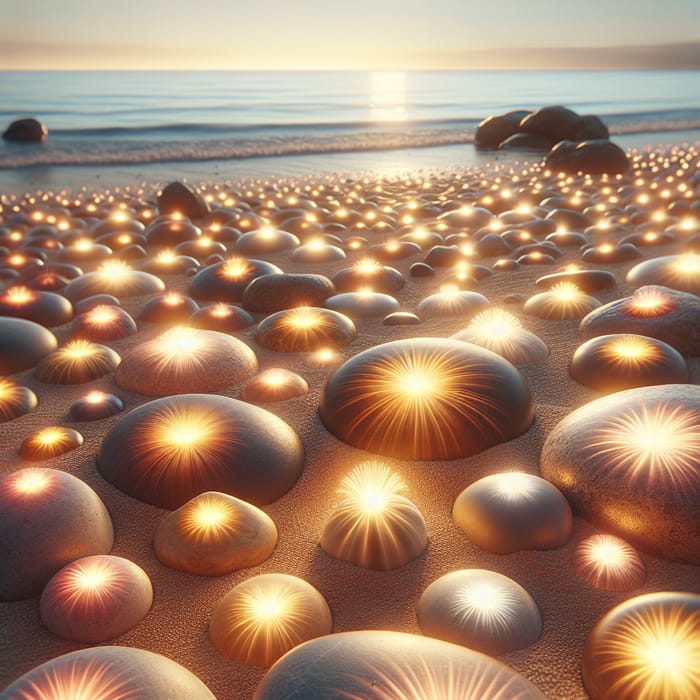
<point>496,129</point>
<point>591,127</point>
<point>26,131</point>
<point>556,123</point>
<point>274,292</point>
<point>177,197</point>
<point>595,157</point>
<point>527,142</point>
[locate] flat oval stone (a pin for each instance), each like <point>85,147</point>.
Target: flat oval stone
<point>45,308</point>
<point>305,329</point>
<point>681,272</point>
<point>214,534</point>
<point>114,278</point>
<point>227,280</point>
<point>77,362</point>
<point>358,305</point>
<point>585,280</point>
<point>269,293</point>
<point>630,463</point>
<point>15,400</point>
<point>452,303</point>
<point>23,344</point>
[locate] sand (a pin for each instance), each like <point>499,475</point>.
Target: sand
<point>360,598</point>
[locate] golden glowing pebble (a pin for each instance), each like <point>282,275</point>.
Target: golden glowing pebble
<point>214,534</point>
<point>645,647</point>
<point>374,524</point>
<point>103,322</point>
<point>265,616</point>
<point>681,272</point>
<point>480,609</point>
<point>364,304</point>
<point>383,665</point>
<point>608,562</point>
<point>657,312</point>
<point>274,384</point>
<point>564,301</point>
<point>502,333</point>
<point>452,303</point>
<point>77,362</point>
<point>630,463</point>
<point>108,673</point>
<point>185,360</point>
<point>49,442</point>
<point>48,518</point>
<point>513,511</point>
<point>96,598</point>
<point>15,400</point>
<point>116,278</point>
<point>623,361</point>
<point>304,329</point>
<point>168,451</point>
<point>426,398</point>
<point>23,344</point>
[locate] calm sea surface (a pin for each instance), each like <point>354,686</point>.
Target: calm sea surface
<point>127,119</point>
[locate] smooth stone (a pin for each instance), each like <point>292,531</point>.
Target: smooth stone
<point>513,511</point>
<point>681,272</point>
<point>119,282</point>
<point>48,518</point>
<point>96,598</point>
<point>228,279</point>
<point>618,253</point>
<point>419,269</point>
<point>556,123</point>
<point>95,406</point>
<point>170,308</point>
<point>379,664</point>
<point>168,451</point>
<point>645,647</point>
<point>563,302</point>
<point>103,323</point>
<point>621,361</point>
<point>609,563</point>
<point>275,384</point>
<point>493,130</point>
<point>305,329</point>
<point>595,157</point>
<point>480,609</point>
<point>185,360</point>
<point>48,442</point>
<point>586,280</point>
<point>177,197</point>
<point>526,142</point>
<point>630,464</point>
<point>214,534</point>
<point>359,305</point>
<point>402,318</point>
<point>221,317</point>
<point>371,275</point>
<point>443,256</point>
<point>28,130</point>
<point>15,400</point>
<point>45,308</point>
<point>77,362</point>
<point>658,312</point>
<point>23,344</point>
<point>137,674</point>
<point>269,293</point>
<point>265,616</point>
<point>462,303</point>
<point>426,398</point>
<point>266,241</point>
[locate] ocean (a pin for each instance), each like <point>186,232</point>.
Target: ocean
<point>189,124</point>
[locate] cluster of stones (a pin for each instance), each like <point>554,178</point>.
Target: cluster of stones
<point>96,274</point>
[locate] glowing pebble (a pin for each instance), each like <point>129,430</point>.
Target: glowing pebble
<point>23,344</point>
<point>452,303</point>
<point>513,511</point>
<point>115,278</point>
<point>383,665</point>
<point>305,329</point>
<point>77,362</point>
<point>608,562</point>
<point>227,280</point>
<point>45,308</point>
<point>681,272</point>
<point>562,302</point>
<point>274,292</point>
<point>95,598</point>
<point>108,673</point>
<point>623,361</point>
<point>275,384</point>
<point>645,647</point>
<point>15,400</point>
<point>213,534</point>
<point>374,524</point>
<point>103,322</point>
<point>168,451</point>
<point>630,463</point>
<point>366,304</point>
<point>265,616</point>
<point>48,518</point>
<point>49,442</point>
<point>186,360</point>
<point>426,398</point>
<point>480,609</point>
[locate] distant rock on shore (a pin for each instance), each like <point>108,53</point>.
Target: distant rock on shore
<point>575,142</point>
<point>179,198</point>
<point>27,130</point>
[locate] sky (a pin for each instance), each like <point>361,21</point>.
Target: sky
<point>338,34</point>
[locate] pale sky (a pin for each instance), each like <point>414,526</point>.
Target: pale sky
<point>336,34</point>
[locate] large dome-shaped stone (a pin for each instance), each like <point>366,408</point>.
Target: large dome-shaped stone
<point>23,344</point>
<point>378,664</point>
<point>426,398</point>
<point>172,449</point>
<point>109,673</point>
<point>630,463</point>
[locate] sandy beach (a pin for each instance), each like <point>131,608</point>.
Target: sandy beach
<point>658,195</point>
